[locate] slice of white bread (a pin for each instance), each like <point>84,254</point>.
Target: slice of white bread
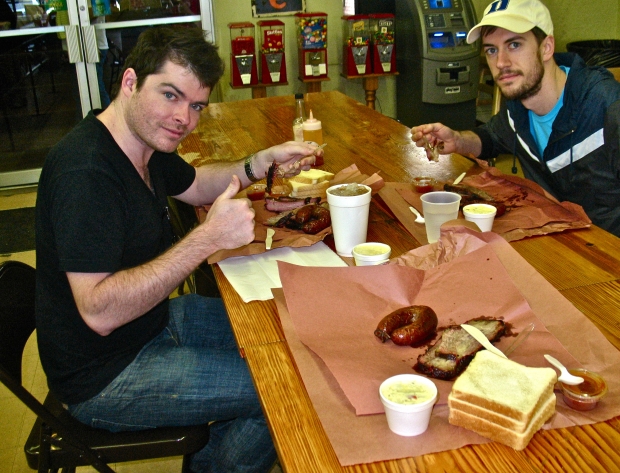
<point>299,189</point>
<point>499,419</point>
<point>312,176</point>
<point>503,386</point>
<point>498,433</point>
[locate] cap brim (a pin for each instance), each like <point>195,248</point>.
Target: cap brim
<point>516,24</point>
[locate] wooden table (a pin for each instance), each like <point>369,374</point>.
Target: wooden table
<point>584,265</point>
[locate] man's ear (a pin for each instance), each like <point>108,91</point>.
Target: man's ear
<point>547,48</point>
<point>129,83</point>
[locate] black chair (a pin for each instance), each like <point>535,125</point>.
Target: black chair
<point>57,440</point>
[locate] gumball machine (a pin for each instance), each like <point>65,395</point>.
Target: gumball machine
<point>243,54</point>
<point>312,43</point>
<point>356,49</point>
<point>383,53</point>
<point>272,61</point>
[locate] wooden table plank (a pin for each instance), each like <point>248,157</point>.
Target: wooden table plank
<point>299,436</point>
<point>601,304</point>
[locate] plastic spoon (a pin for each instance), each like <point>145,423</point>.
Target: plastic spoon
<point>565,377</point>
<point>458,179</point>
<point>482,339</point>
<point>418,218</point>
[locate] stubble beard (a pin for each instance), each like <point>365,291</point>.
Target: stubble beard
<point>531,86</point>
<point>142,130</point>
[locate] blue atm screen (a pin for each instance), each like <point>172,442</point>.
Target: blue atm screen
<point>436,4</point>
<point>440,40</point>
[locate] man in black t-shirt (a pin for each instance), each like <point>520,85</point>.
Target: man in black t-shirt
<point>115,350</point>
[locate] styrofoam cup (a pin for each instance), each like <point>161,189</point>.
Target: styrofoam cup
<point>370,254</point>
<point>408,419</point>
<point>482,215</point>
<point>439,207</point>
<point>349,216</point>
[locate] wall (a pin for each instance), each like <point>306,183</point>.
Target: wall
<point>577,20</point>
<point>229,11</point>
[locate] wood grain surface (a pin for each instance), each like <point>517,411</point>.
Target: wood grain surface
<point>583,264</point>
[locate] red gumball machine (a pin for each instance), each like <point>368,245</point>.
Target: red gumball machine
<point>383,52</point>
<point>272,60</point>
<point>243,54</point>
<point>356,48</point>
<point>312,44</point>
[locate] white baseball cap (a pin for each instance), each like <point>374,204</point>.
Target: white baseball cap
<point>518,16</point>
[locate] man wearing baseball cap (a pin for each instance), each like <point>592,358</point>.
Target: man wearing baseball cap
<point>561,118</point>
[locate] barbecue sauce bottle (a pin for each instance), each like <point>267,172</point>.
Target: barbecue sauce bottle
<point>313,131</point>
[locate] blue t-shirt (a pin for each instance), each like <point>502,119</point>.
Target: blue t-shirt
<point>540,125</point>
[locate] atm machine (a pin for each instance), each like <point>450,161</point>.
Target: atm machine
<point>438,70</point>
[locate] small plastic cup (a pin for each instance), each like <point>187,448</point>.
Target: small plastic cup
<point>370,254</point>
<point>408,414</point>
<point>482,215</point>
<point>584,396</point>
<point>256,191</point>
<point>422,185</point>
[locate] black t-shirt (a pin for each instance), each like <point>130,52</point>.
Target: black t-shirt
<point>95,214</point>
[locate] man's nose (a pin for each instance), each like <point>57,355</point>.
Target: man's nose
<point>502,59</point>
<point>181,114</point>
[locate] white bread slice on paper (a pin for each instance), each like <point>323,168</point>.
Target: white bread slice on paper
<point>312,176</point>
<point>299,189</point>
<point>506,436</point>
<point>503,386</point>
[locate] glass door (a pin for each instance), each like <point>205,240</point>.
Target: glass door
<point>60,59</point>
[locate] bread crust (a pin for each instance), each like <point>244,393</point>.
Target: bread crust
<point>498,433</point>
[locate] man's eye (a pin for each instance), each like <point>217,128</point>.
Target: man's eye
<point>169,95</point>
<point>198,108</point>
<point>490,51</point>
<point>514,45</point>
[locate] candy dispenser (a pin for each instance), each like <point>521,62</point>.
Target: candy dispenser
<point>272,60</point>
<point>382,35</point>
<point>312,43</point>
<point>243,54</point>
<point>356,52</point>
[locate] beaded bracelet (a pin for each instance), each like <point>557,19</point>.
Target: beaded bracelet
<point>248,168</point>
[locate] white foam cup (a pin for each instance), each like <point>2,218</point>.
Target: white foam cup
<point>408,419</point>
<point>439,207</point>
<point>349,216</point>
<point>370,254</point>
<point>482,215</point>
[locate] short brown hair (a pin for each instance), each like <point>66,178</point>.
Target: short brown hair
<point>538,33</point>
<point>184,46</point>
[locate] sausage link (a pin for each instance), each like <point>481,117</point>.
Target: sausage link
<point>321,219</point>
<point>407,326</point>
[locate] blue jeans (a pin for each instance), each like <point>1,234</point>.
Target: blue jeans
<point>190,374</point>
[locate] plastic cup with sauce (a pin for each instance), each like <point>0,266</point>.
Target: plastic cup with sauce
<point>256,191</point>
<point>370,254</point>
<point>422,185</point>
<point>482,215</point>
<point>408,400</point>
<point>584,396</point>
